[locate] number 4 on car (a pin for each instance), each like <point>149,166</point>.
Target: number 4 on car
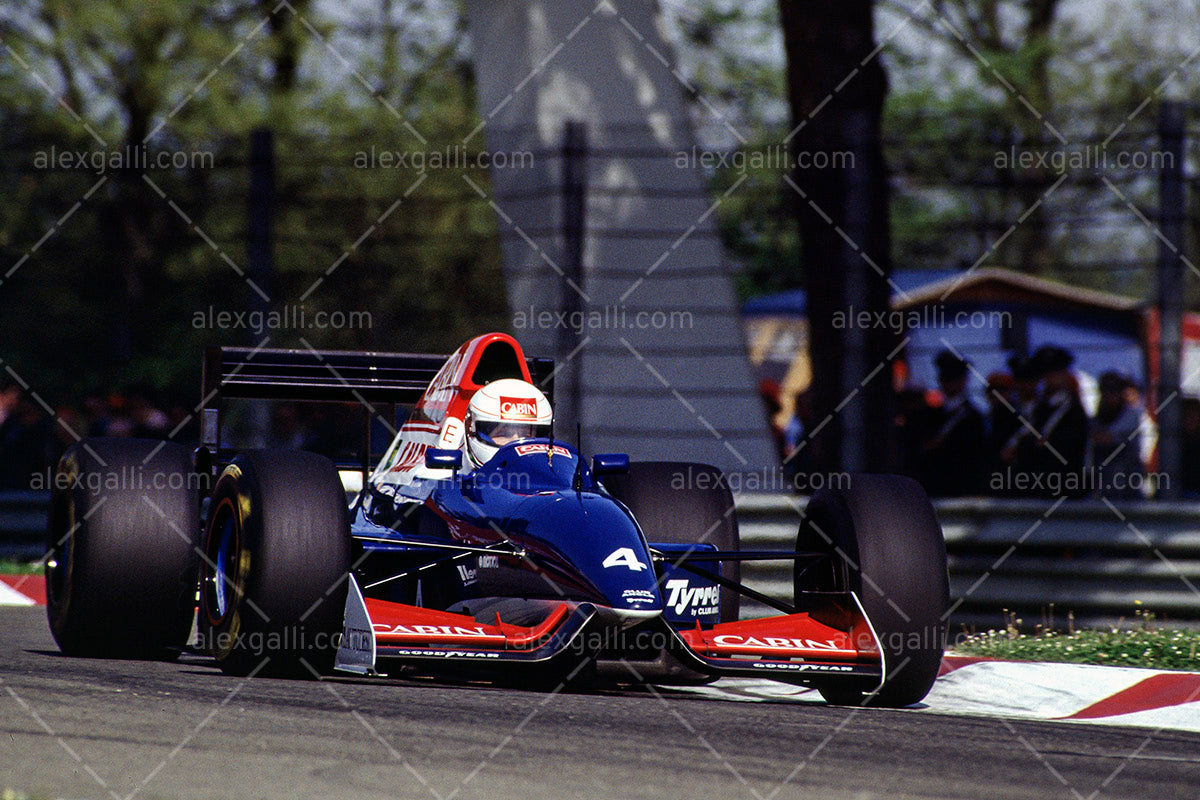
<point>624,557</point>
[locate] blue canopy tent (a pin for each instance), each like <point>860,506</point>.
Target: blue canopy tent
<point>988,314</point>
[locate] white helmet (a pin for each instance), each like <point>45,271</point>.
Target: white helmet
<point>502,412</point>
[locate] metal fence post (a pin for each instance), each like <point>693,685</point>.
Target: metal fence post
<point>571,286</point>
<point>259,267</point>
<point>1170,293</point>
<point>261,209</point>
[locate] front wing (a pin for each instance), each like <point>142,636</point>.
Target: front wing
<point>832,642</point>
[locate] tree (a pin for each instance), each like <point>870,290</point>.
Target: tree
<point>114,290</point>
<point>1008,46</point>
<point>836,89</point>
<point>118,86</point>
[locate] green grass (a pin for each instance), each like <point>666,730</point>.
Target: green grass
<point>10,567</point>
<point>1141,645</point>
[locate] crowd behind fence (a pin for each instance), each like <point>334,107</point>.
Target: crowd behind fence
<point>1039,434</point>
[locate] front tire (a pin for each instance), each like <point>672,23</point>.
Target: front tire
<point>276,559</point>
<point>682,503</point>
<point>121,549</point>
<point>884,543</point>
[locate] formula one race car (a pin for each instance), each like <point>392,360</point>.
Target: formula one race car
<point>525,564</point>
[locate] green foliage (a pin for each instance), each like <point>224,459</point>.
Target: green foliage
<point>9,566</point>
<point>1143,645</point>
<point>106,292</point>
<point>116,289</point>
<point>755,220</point>
<point>732,54</point>
<point>969,78</point>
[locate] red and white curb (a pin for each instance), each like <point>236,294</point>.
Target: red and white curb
<point>22,590</point>
<point>1070,693</point>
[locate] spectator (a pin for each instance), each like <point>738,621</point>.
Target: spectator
<point>912,420</point>
<point>67,425</point>
<point>96,416</point>
<point>10,395</point>
<point>1061,424</point>
<point>120,423</point>
<point>149,421</point>
<point>1017,452</point>
<point>1002,421</point>
<point>952,449</point>
<point>769,394</point>
<point>1190,472</point>
<point>25,439</point>
<point>1147,439</point>
<point>796,457</point>
<point>1115,434</point>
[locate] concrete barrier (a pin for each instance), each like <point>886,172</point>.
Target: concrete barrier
<point>1098,563</point>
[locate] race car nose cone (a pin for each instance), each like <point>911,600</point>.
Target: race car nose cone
<point>628,617</point>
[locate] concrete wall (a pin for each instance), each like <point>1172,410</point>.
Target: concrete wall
<point>680,392</point>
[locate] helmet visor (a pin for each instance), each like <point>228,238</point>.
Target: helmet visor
<point>499,434</point>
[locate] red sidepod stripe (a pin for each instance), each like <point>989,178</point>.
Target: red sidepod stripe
<point>31,586</point>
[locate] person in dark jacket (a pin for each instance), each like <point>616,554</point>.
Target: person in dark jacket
<point>912,421</point>
<point>953,460</point>
<point>1190,474</point>
<point>1002,420</point>
<point>1116,442</point>
<point>1016,452</point>
<point>25,439</point>
<point>1062,427</point>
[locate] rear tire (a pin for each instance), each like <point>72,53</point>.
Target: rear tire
<point>276,558</point>
<point>121,551</point>
<point>885,545</point>
<point>682,503</point>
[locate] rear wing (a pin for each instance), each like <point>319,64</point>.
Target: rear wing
<point>376,381</point>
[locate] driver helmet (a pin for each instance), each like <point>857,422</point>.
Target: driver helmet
<point>504,411</point>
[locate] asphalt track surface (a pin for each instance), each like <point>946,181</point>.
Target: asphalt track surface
<point>77,728</point>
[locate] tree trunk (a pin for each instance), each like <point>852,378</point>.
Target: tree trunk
<point>837,102</point>
<point>287,41</point>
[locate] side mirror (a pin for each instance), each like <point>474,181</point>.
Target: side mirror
<point>610,464</point>
<point>443,459</point>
